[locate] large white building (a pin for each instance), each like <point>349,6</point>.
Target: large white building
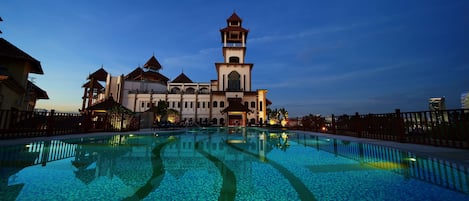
<point>227,101</point>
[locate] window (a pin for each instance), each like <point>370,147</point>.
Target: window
<point>260,106</point>
<point>214,120</point>
<point>234,60</point>
<point>185,104</point>
<point>173,104</point>
<point>191,104</point>
<point>203,91</point>
<point>143,104</point>
<point>175,90</point>
<point>234,35</point>
<point>215,104</point>
<point>234,81</point>
<point>246,104</point>
<point>253,104</point>
<point>148,104</point>
<point>222,104</point>
<point>179,104</point>
<point>190,90</point>
<point>198,104</point>
<point>203,104</point>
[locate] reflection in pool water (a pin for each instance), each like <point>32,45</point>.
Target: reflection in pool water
<point>223,164</point>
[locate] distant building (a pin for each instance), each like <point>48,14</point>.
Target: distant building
<point>16,91</point>
<point>435,104</point>
<point>465,100</point>
<point>227,100</point>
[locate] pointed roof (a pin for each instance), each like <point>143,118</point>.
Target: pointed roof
<point>234,18</point>
<point>233,28</point>
<point>9,51</point>
<point>153,64</point>
<point>154,76</point>
<point>40,94</point>
<point>108,104</point>
<point>182,78</point>
<point>96,85</point>
<point>135,73</point>
<point>140,74</point>
<point>99,75</point>
<point>235,105</point>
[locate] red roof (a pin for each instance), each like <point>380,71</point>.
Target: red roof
<point>182,78</point>
<point>9,51</point>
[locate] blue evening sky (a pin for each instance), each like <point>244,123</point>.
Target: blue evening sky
<point>318,57</point>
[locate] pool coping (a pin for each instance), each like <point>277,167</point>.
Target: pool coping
<point>460,156</point>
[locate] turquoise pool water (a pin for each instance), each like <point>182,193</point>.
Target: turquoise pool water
<point>223,164</point>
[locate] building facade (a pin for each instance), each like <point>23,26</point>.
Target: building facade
<point>229,100</point>
<point>16,91</point>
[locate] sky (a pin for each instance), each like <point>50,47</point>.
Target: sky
<point>313,57</point>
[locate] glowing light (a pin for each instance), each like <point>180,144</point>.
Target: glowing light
<point>131,135</point>
<point>387,165</point>
<point>235,141</point>
<point>273,122</point>
<point>284,122</point>
<point>412,159</point>
<point>323,129</point>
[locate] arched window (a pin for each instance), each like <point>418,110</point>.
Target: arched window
<point>222,104</point>
<point>234,81</point>
<point>190,90</point>
<point>175,90</point>
<point>214,121</point>
<point>203,91</point>
<point>234,60</point>
<point>222,121</point>
<point>215,104</point>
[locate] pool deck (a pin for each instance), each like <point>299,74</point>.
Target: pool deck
<point>460,156</point>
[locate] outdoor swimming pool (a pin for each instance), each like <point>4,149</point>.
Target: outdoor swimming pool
<point>223,164</point>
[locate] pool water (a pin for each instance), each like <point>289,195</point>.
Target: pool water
<point>223,164</point>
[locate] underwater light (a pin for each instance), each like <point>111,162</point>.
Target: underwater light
<point>412,159</point>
